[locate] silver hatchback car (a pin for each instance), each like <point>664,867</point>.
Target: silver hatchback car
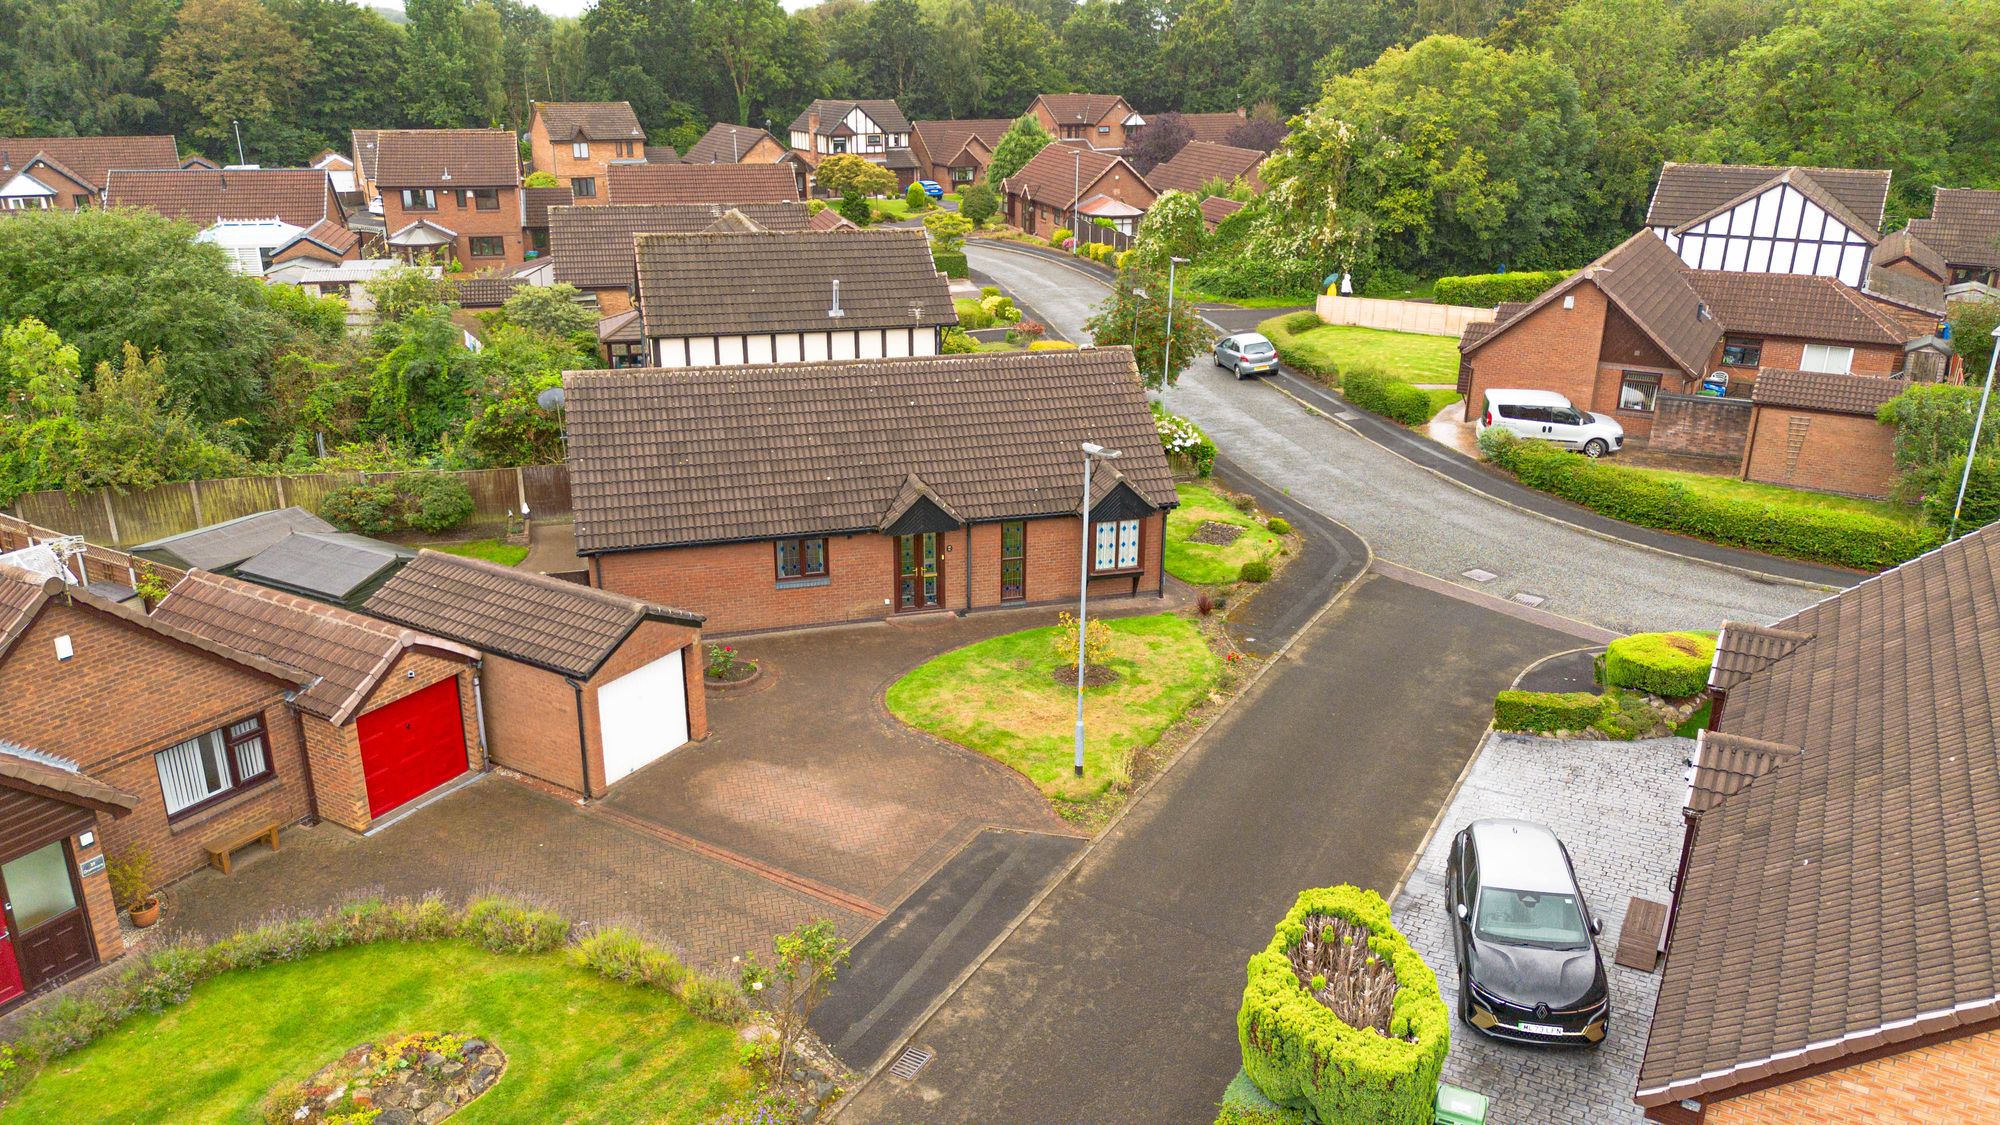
<point>1247,354</point>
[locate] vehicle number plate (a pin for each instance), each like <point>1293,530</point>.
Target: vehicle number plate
<point>1541,1029</point>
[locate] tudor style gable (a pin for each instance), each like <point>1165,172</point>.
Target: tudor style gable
<point>1790,220</point>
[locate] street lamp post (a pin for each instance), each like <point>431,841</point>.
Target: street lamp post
<point>1076,203</point>
<point>1092,453</point>
<point>1167,346</point>
<point>1965,478</point>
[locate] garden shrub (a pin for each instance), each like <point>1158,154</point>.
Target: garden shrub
<point>1000,309</point>
<point>1252,275</point>
<point>1244,1104</point>
<point>951,263</point>
<point>916,198</point>
<point>956,342</point>
<point>1982,494</point>
<point>1060,235</point>
<point>989,291</point>
<point>1183,439</point>
<point>1278,525</point>
<point>1670,664</point>
<point>1282,329</point>
<point>1852,539</point>
<point>504,926</point>
<point>854,208</point>
<point>1377,393</point>
<point>1300,1054</point>
<point>1626,716</point>
<point>429,502</point>
<point>1541,712</point>
<point>1256,570</point>
<point>1485,290</point>
<point>972,315</point>
<point>1124,257</point>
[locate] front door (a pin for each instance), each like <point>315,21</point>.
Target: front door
<point>48,935</point>
<point>917,571</point>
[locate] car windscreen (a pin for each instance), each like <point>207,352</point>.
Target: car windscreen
<point>1546,919</point>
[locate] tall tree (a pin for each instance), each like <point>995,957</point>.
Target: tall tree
<point>227,60</point>
<point>740,35</point>
<point>1018,145</point>
<point>86,65</point>
<point>902,40</point>
<point>435,74</point>
<point>1100,50</point>
<point>1199,70</point>
<point>954,83</point>
<point>349,78</point>
<point>1014,59</point>
<point>486,64</point>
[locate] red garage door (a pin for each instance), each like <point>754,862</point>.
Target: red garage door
<point>412,746</point>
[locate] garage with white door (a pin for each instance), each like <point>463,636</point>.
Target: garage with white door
<point>578,687</point>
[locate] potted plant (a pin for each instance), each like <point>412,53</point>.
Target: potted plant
<point>131,876</point>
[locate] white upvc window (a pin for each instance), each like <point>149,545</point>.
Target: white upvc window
<point>1828,358</point>
<point>1117,546</point>
<point>205,767</point>
<point>580,149</point>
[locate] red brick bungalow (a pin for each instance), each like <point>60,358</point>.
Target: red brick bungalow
<point>1064,185</point>
<point>779,496</point>
<point>59,917</point>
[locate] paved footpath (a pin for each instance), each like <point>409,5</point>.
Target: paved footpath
<point>1409,515</point>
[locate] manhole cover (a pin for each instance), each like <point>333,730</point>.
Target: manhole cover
<point>1478,575</point>
<point>910,1062</point>
<point>1530,600</point>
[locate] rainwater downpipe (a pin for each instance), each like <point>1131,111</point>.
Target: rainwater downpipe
<point>582,744</point>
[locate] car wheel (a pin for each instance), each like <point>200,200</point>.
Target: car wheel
<point>1464,1000</point>
<point>1239,371</point>
<point>1217,360</point>
<point>1595,448</point>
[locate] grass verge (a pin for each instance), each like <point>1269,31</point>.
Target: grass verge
<point>580,1047</point>
<point>1205,564</point>
<point>490,550</point>
<point>1332,348</point>
<point>999,697</point>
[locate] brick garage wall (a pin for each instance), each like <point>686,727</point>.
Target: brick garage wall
<point>127,693</point>
<point>1951,1081</point>
<point>1786,353</point>
<point>735,584</point>
<point>1843,453</point>
<point>651,641</point>
<point>466,221</point>
<point>531,721</point>
<point>1701,426</point>
<point>335,752</point>
<point>1551,349</point>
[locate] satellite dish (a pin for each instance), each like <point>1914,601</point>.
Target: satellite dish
<point>551,399</point>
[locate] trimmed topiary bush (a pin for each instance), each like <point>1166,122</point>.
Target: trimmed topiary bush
<point>1540,712</point>
<point>1485,290</point>
<point>951,263</point>
<point>1670,664</point>
<point>1244,1104</point>
<point>1279,525</point>
<point>1256,570</point>
<point>1300,1053</point>
<point>972,315</point>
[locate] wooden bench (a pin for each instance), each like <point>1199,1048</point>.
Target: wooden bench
<point>219,851</point>
<point>1639,938</point>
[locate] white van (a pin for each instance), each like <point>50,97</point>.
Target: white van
<point>1548,416</point>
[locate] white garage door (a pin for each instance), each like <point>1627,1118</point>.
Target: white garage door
<point>643,715</point>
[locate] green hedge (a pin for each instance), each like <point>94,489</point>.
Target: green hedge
<point>1377,393</point>
<point>1540,712</point>
<point>1283,329</point>
<point>1244,1104</point>
<point>1982,494</point>
<point>1852,539</point>
<point>1302,1055</point>
<point>951,263</point>
<point>971,314</point>
<point>1670,664</point>
<point>1485,290</point>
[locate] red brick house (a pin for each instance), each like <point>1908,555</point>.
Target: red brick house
<point>871,128</point>
<point>579,687</point>
<point>731,185</point>
<point>69,173</point>
<point>956,153</point>
<point>256,214</point>
<point>593,250</point>
<point>1064,185</point>
<point>1830,949</point>
<point>450,191</point>
<point>1096,121</point>
<point>578,142</point>
<point>788,495</point>
<point>1200,163</point>
<point>1963,230</point>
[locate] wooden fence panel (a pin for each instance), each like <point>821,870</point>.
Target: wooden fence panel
<point>308,490</point>
<point>548,489</point>
<point>154,512</point>
<point>81,513</point>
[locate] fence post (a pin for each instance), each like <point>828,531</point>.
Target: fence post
<point>280,478</point>
<point>194,490</point>
<point>521,489</point>
<point>110,516</point>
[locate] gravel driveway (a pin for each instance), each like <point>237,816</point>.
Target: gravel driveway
<point>1409,515</point>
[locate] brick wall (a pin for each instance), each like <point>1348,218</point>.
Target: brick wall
<point>1951,1081</point>
<point>1844,453</point>
<point>1786,353</point>
<point>559,159</point>
<point>531,721</point>
<point>1701,426</point>
<point>466,220</point>
<point>735,584</point>
<point>97,900</point>
<point>1553,349</point>
<point>127,693</point>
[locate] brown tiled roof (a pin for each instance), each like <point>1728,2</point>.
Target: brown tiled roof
<point>347,652</point>
<point>697,455</point>
<point>832,112</point>
<point>1216,208</point>
<point>1213,127</point>
<point>523,616</point>
<point>1051,175</point>
<point>727,184</point>
<point>704,284</point>
<point>90,158</point>
<point>1904,244</point>
<point>487,292</point>
<point>662,154</point>
<point>1688,191</point>
<point>1080,109</point>
<point>367,145</point>
<point>325,240</point>
<point>620,328</point>
<point>22,767</point>
<point>1964,226</point>
<point>1200,162</point>
<point>300,196</point>
<point>592,246</point>
<point>1825,391</point>
<point>447,158</point>
<point>536,201</point>
<point>1745,648</point>
<point>1798,305</point>
<point>829,219</point>
<point>1649,283</point>
<point>942,140</point>
<point>592,121</point>
<point>726,144</point>
<point>1906,289</point>
<point>1843,902</point>
<point>1726,764</point>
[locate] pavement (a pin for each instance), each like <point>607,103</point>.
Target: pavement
<point>1617,807</point>
<point>1421,505</point>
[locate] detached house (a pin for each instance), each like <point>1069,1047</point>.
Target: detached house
<point>577,142</point>
<point>255,214</point>
<point>450,191</point>
<point>1749,218</point>
<point>1200,163</point>
<point>874,129</point>
<point>746,296</point>
<point>956,153</point>
<point>69,173</point>
<point>1214,128</point>
<point>593,246</point>
<point>778,496</point>
<point>1963,231</point>
<point>1064,186</point>
<point>1098,121</point>
<point>1830,948</point>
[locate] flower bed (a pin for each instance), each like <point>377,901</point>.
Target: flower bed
<point>423,1077</point>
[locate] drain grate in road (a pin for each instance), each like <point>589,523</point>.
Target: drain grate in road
<point>1478,575</point>
<point>1530,600</point>
<point>910,1062</point>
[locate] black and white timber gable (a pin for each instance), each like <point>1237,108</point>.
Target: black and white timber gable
<point>1772,220</point>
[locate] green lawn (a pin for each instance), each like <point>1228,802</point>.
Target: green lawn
<point>892,208</point>
<point>1731,488</point>
<point>579,1047</point>
<point>1442,397</point>
<point>1205,564</point>
<point>491,550</point>
<point>999,697</point>
<point>1410,356</point>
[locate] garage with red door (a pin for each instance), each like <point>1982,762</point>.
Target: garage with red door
<point>412,746</point>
